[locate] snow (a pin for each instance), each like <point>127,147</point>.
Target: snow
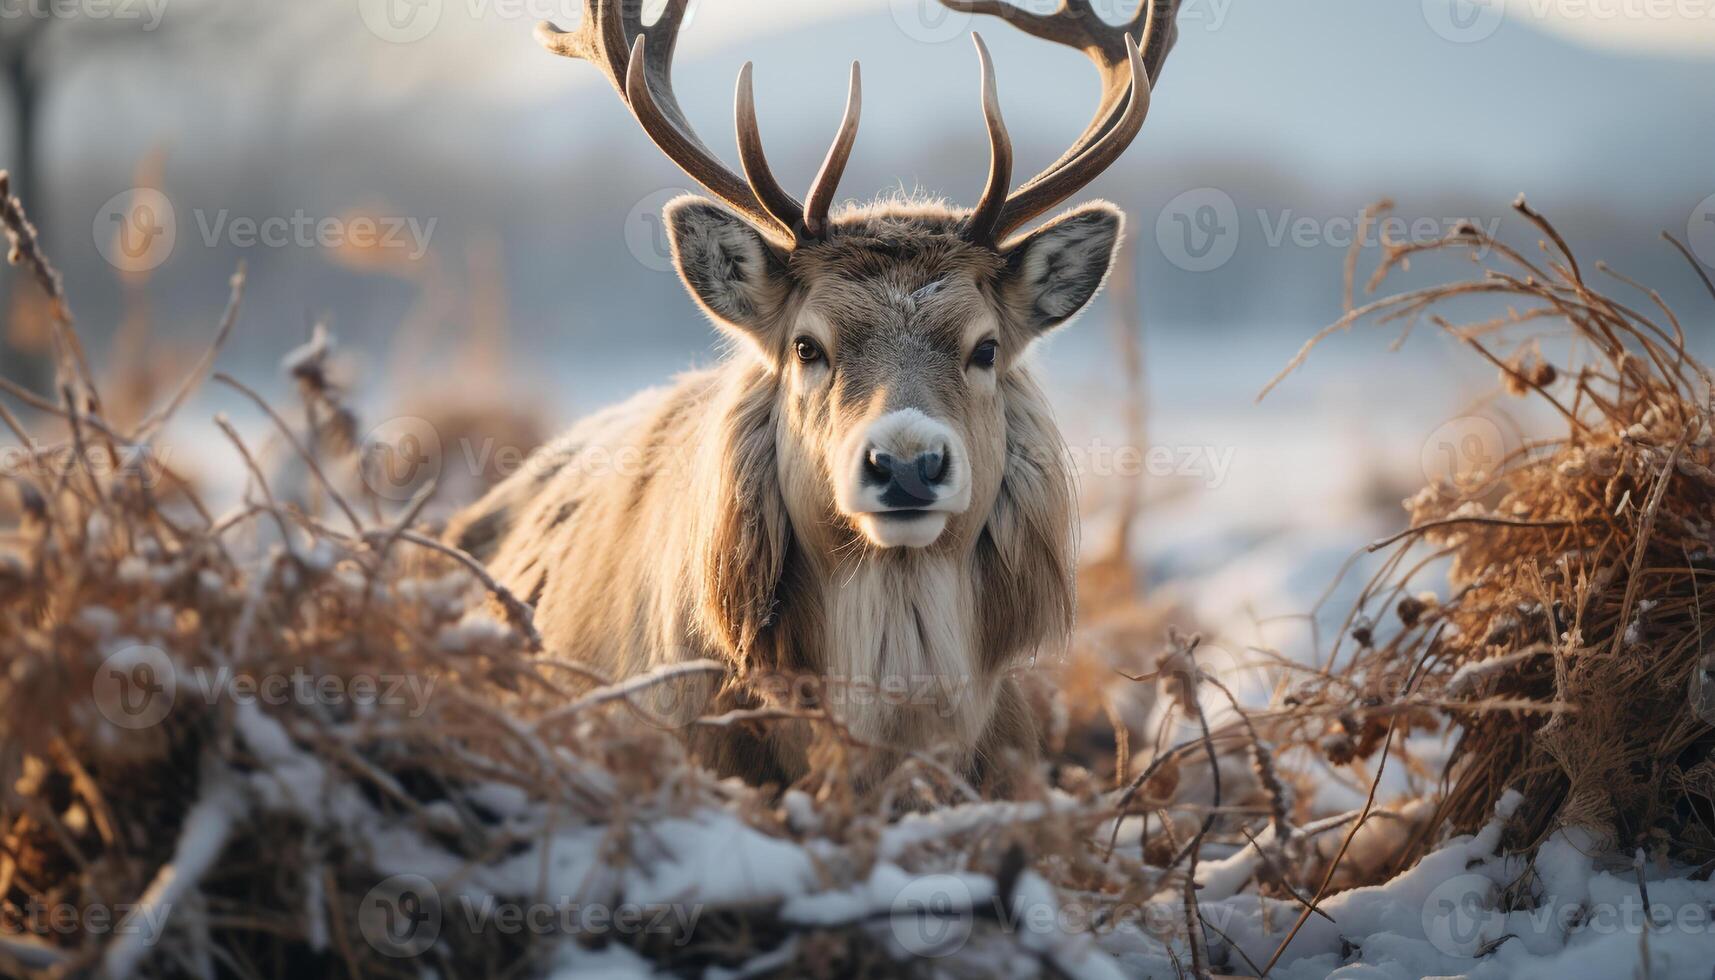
<point>715,858</point>
<point>202,838</point>
<point>289,779</point>
<point>917,829</point>
<point>1448,917</point>
<point>1259,548</point>
<point>613,962</point>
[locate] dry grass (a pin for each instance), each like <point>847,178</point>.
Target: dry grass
<point>262,827</point>
<point>1570,649</point>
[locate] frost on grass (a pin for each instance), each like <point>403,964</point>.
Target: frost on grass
<point>435,794</point>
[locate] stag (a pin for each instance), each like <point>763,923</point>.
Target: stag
<point>864,512</point>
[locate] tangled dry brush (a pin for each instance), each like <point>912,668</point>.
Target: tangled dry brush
<point>1569,648</point>
<point>259,742</point>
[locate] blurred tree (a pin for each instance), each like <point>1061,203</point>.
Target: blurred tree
<point>37,40</point>
<point>22,43</point>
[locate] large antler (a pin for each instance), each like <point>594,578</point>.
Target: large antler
<point>638,63</point>
<point>1129,58</point>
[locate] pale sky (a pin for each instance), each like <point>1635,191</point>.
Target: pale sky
<point>1682,25</point>
<point>1677,27</point>
<point>1666,25</point>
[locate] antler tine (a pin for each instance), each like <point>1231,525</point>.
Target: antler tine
<point>599,39</point>
<point>637,62</point>
<point>1104,44</point>
<point>1153,41</point>
<point>1062,181</point>
<point>983,218</point>
<point>781,206</point>
<point>663,35</point>
<point>683,147</point>
<point>1146,39</point>
<point>1160,30</point>
<point>827,180</point>
<point>1054,27</point>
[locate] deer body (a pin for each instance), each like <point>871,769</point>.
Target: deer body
<point>864,510</point>
<point>616,533</point>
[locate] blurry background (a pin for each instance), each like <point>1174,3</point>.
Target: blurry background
<point>477,221</point>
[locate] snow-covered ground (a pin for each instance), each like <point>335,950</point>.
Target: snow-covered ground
<point>1256,517</point>
<point>1572,913</point>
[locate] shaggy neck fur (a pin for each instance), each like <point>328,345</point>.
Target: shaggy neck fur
<point>901,650</point>
<point>905,646</point>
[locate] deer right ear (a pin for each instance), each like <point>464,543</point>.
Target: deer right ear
<point>731,270</point>
<point>1058,268</point>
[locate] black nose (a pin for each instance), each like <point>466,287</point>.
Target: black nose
<point>909,483</point>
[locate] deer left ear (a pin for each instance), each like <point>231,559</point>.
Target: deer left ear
<point>1056,269</point>
<point>728,266</point>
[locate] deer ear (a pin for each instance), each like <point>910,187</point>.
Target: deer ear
<point>730,269</point>
<point>1057,268</point>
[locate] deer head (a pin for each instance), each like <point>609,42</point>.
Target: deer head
<point>892,332</point>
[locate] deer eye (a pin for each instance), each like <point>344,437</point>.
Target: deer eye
<point>808,351</point>
<point>983,356</point>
